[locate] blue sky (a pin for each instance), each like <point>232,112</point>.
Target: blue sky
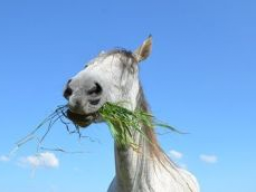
<point>200,78</point>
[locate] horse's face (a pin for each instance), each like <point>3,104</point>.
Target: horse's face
<point>110,77</point>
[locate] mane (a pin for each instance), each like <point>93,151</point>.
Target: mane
<point>156,152</point>
<point>155,149</point>
<point>126,54</point>
<point>122,51</point>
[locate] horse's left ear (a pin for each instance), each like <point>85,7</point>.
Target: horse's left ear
<point>144,50</point>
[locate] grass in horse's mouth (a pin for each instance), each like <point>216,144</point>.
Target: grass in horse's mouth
<point>121,122</point>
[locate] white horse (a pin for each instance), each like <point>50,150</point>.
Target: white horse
<point>113,77</point>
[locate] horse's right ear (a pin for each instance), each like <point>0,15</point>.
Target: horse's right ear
<point>144,50</point>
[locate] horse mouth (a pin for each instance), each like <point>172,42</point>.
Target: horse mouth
<point>81,120</point>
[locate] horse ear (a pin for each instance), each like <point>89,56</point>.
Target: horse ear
<point>144,50</point>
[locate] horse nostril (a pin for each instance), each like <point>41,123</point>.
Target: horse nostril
<point>68,92</point>
<point>95,90</point>
<point>95,102</point>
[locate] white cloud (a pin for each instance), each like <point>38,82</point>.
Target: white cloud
<point>209,158</point>
<point>46,160</point>
<point>4,158</point>
<point>175,154</point>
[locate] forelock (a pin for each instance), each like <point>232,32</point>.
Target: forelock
<point>126,55</point>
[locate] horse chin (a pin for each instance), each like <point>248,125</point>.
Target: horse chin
<point>82,120</point>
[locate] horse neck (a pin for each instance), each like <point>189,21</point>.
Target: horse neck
<point>131,163</point>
